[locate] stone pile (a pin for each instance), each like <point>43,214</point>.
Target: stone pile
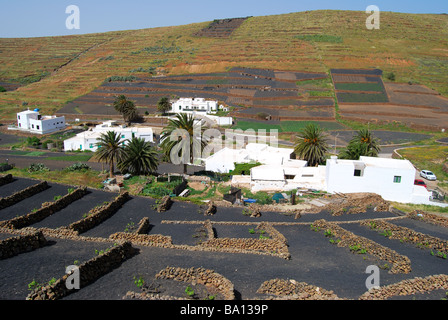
<point>211,209</point>
<point>13,246</point>
<point>351,204</point>
<point>407,287</point>
<point>293,290</point>
<point>23,194</point>
<point>206,277</point>
<point>165,204</point>
<point>400,263</point>
<point>143,226</point>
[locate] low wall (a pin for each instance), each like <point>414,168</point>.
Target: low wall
<point>400,263</point>
<point>99,214</point>
<point>45,211</point>
<point>23,194</point>
<point>24,243</point>
<point>89,272</point>
<point>6,179</point>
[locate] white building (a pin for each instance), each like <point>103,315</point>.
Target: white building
<point>392,179</point>
<point>32,121</point>
<point>224,160</point>
<point>87,140</point>
<point>190,105</point>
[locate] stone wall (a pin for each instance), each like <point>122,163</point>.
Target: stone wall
<point>24,243</point>
<point>400,263</point>
<point>206,277</point>
<point>6,179</point>
<point>46,210</point>
<point>89,272</point>
<point>23,194</point>
<point>99,214</point>
<point>404,234</point>
<point>293,290</point>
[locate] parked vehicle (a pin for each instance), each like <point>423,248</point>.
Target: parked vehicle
<point>419,182</point>
<point>428,175</point>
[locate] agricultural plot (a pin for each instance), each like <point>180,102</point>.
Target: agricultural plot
<point>249,91</point>
<point>222,28</point>
<point>134,252</point>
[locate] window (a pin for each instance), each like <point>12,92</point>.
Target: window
<point>397,179</point>
<point>357,173</point>
<point>18,117</point>
<point>91,146</point>
<point>37,127</point>
<point>123,136</point>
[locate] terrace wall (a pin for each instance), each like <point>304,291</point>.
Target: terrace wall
<point>23,194</point>
<point>24,243</point>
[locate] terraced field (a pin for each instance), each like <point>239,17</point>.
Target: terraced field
<point>56,70</point>
<point>124,242</point>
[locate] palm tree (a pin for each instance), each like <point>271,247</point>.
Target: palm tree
<point>311,145</point>
<point>110,149</point>
<point>362,144</point>
<point>182,140</point>
<point>164,105</point>
<point>369,142</point>
<point>126,108</point>
<point>140,158</point>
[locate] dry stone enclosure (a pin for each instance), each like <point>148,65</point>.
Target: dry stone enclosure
<point>127,248</point>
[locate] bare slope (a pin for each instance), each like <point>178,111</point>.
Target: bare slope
<point>414,47</point>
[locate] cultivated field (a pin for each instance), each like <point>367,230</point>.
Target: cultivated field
<point>227,255</point>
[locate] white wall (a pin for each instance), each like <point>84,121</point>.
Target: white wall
<point>380,180</point>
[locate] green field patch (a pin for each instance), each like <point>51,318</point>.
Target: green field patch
<point>286,126</point>
<point>320,38</point>
<point>376,87</point>
<point>361,97</point>
<point>77,158</point>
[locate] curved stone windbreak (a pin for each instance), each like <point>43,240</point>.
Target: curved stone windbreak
<point>13,246</point>
<point>206,277</point>
<point>89,272</point>
<point>23,194</point>
<point>400,263</point>
<point>407,287</point>
<point>45,211</point>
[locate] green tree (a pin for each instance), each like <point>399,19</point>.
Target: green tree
<point>164,105</point>
<point>312,145</point>
<point>181,138</point>
<point>362,144</point>
<point>126,108</point>
<point>140,158</point>
<point>110,150</point>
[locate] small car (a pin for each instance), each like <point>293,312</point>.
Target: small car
<point>419,182</point>
<point>428,175</point>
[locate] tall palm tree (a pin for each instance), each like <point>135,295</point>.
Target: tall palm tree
<point>312,145</point>
<point>368,141</point>
<point>126,108</point>
<point>181,138</point>
<point>110,149</point>
<point>164,105</point>
<point>140,158</point>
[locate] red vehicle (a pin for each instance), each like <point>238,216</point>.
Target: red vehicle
<point>419,182</point>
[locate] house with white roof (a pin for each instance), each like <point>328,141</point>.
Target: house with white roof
<point>224,160</point>
<point>33,122</point>
<point>190,105</point>
<point>87,140</point>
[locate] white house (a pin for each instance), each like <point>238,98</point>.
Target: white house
<point>189,105</point>
<point>224,160</point>
<point>392,179</point>
<point>87,140</point>
<point>32,121</point>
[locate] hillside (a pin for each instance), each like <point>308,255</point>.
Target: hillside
<point>55,70</point>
